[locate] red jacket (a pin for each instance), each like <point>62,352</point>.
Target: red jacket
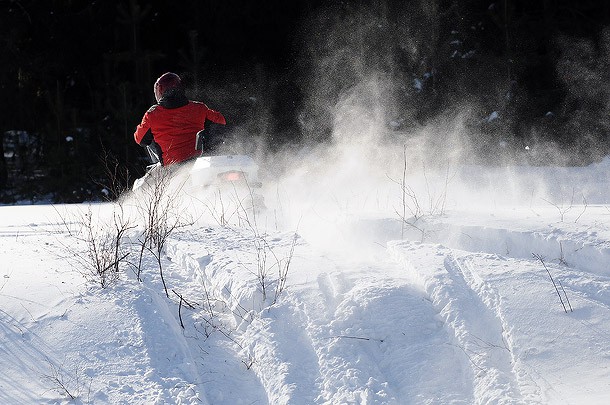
<point>174,129</point>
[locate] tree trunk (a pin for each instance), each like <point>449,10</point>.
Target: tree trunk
<point>3,168</point>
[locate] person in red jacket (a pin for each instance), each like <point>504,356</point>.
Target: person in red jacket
<point>171,125</point>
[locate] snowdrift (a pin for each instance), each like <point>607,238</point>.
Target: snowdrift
<point>496,298</point>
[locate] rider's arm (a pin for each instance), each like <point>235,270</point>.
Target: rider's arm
<point>143,135</point>
<point>145,139</point>
<point>215,116</point>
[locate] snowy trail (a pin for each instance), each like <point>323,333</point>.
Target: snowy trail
<point>358,323</point>
<point>523,344</point>
<point>477,329</point>
<point>461,313</point>
<point>302,348</point>
<point>392,326</point>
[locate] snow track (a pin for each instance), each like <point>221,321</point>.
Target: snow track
<point>382,373</point>
<point>469,308</point>
<point>393,326</point>
<point>302,348</point>
<point>507,318</point>
<point>464,315</point>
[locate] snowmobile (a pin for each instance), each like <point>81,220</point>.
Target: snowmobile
<point>228,173</point>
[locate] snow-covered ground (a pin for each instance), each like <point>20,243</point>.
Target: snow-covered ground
<point>451,307</point>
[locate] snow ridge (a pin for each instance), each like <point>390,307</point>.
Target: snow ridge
<point>478,332</point>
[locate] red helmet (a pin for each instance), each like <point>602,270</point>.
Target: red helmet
<point>165,82</point>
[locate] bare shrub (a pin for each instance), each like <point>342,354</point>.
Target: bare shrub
<point>267,260</point>
<point>182,302</point>
<point>221,211</point>
<point>67,384</point>
<point>437,202</point>
<point>409,199</point>
<point>283,266</point>
<point>562,208</point>
<point>410,209</point>
<point>159,203</point>
<point>104,251</point>
<point>116,183</point>
<point>562,298</point>
<point>240,206</point>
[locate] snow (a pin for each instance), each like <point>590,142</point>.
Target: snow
<point>451,308</point>
<point>492,117</point>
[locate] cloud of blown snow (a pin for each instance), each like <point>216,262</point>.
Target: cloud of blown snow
<point>369,156</point>
<point>366,153</point>
<point>360,150</point>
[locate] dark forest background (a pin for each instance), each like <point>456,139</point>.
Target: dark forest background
<point>76,76</point>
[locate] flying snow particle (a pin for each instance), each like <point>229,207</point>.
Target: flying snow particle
<point>418,85</point>
<point>468,54</point>
<point>493,116</point>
